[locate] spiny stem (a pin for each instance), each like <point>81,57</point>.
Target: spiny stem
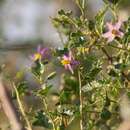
<point>48,113</point>
<point>22,108</point>
<point>81,101</point>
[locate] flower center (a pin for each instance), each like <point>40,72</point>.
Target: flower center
<point>115,32</point>
<point>65,62</point>
<point>37,56</point>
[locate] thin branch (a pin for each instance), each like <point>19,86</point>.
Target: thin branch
<point>81,101</point>
<point>120,48</point>
<point>80,6</point>
<point>48,113</point>
<point>22,108</point>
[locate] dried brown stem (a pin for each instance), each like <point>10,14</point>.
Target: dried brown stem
<point>9,108</point>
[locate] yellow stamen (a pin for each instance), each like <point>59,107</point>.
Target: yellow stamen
<point>37,56</point>
<point>65,62</point>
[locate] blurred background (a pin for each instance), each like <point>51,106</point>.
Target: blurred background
<point>26,23</point>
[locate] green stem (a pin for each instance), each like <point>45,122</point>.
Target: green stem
<point>107,55</point>
<point>81,101</point>
<point>120,48</point>
<point>99,112</point>
<point>81,6</point>
<point>114,12</point>
<point>29,127</point>
<point>48,113</point>
<point>116,47</point>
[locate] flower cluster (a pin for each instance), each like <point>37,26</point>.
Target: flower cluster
<point>67,60</point>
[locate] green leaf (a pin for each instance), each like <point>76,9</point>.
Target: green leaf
<point>128,94</point>
<point>71,84</point>
<point>126,38</point>
<point>94,72</point>
<point>76,39</point>
<point>88,62</point>
<point>65,97</point>
<point>62,12</point>
<point>22,88</point>
<point>38,69</point>
<point>44,90</point>
<point>51,75</point>
<point>106,114</point>
<point>61,127</point>
<point>99,19</point>
<point>113,73</point>
<point>91,25</point>
<point>19,75</point>
<point>41,119</point>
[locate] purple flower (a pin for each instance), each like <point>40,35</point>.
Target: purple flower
<point>113,31</point>
<point>69,62</point>
<point>42,54</point>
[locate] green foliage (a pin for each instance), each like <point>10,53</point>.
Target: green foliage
<point>44,90</point>
<point>40,119</point>
<point>96,70</point>
<point>71,84</point>
<point>38,69</point>
<point>76,39</point>
<point>99,20</point>
<point>22,89</point>
<point>105,114</point>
